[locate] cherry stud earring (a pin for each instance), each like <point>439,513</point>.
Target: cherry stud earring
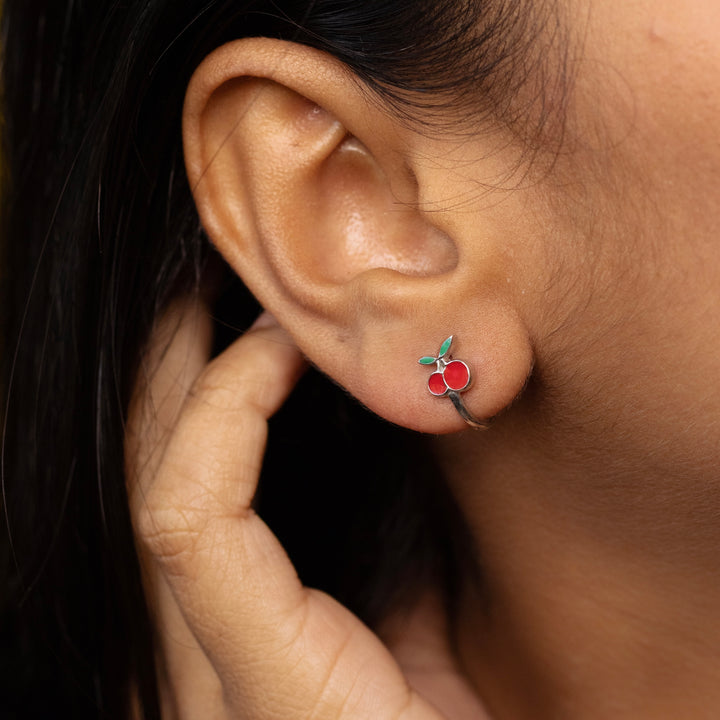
<point>450,378</point>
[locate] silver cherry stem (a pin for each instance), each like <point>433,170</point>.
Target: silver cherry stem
<point>471,420</point>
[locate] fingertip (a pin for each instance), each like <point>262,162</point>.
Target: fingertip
<point>263,321</point>
<point>268,328</point>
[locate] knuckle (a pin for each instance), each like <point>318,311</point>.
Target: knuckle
<point>217,384</point>
<point>230,388</point>
<point>209,388</point>
<point>169,532</point>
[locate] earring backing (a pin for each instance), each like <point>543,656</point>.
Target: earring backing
<point>450,378</point>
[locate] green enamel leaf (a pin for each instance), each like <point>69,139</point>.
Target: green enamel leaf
<point>445,346</point>
<point>427,360</point>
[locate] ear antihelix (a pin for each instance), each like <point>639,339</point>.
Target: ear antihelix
<point>450,379</point>
<point>306,191</point>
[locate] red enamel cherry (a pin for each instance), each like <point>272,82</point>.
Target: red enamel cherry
<point>436,384</point>
<point>457,375</point>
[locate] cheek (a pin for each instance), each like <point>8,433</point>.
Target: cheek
<point>653,77</point>
<point>663,179</point>
<point>634,351</point>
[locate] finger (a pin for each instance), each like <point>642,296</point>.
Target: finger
<point>281,651</point>
<point>176,354</point>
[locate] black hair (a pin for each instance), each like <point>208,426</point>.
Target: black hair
<point>99,233</point>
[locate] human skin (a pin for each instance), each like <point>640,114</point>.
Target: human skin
<point>592,269</point>
<point>238,635</point>
<point>595,506</point>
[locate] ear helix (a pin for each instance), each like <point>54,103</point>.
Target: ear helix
<point>450,379</point>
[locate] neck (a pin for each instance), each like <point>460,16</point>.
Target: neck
<point>601,585</point>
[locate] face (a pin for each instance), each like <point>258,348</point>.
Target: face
<point>628,331</point>
<point>606,256</point>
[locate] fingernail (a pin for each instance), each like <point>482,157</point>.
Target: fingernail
<point>264,320</point>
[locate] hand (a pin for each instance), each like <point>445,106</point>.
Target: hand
<point>238,634</point>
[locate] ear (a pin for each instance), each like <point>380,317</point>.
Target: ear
<point>314,194</point>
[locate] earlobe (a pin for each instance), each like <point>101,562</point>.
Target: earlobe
<point>306,189</point>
